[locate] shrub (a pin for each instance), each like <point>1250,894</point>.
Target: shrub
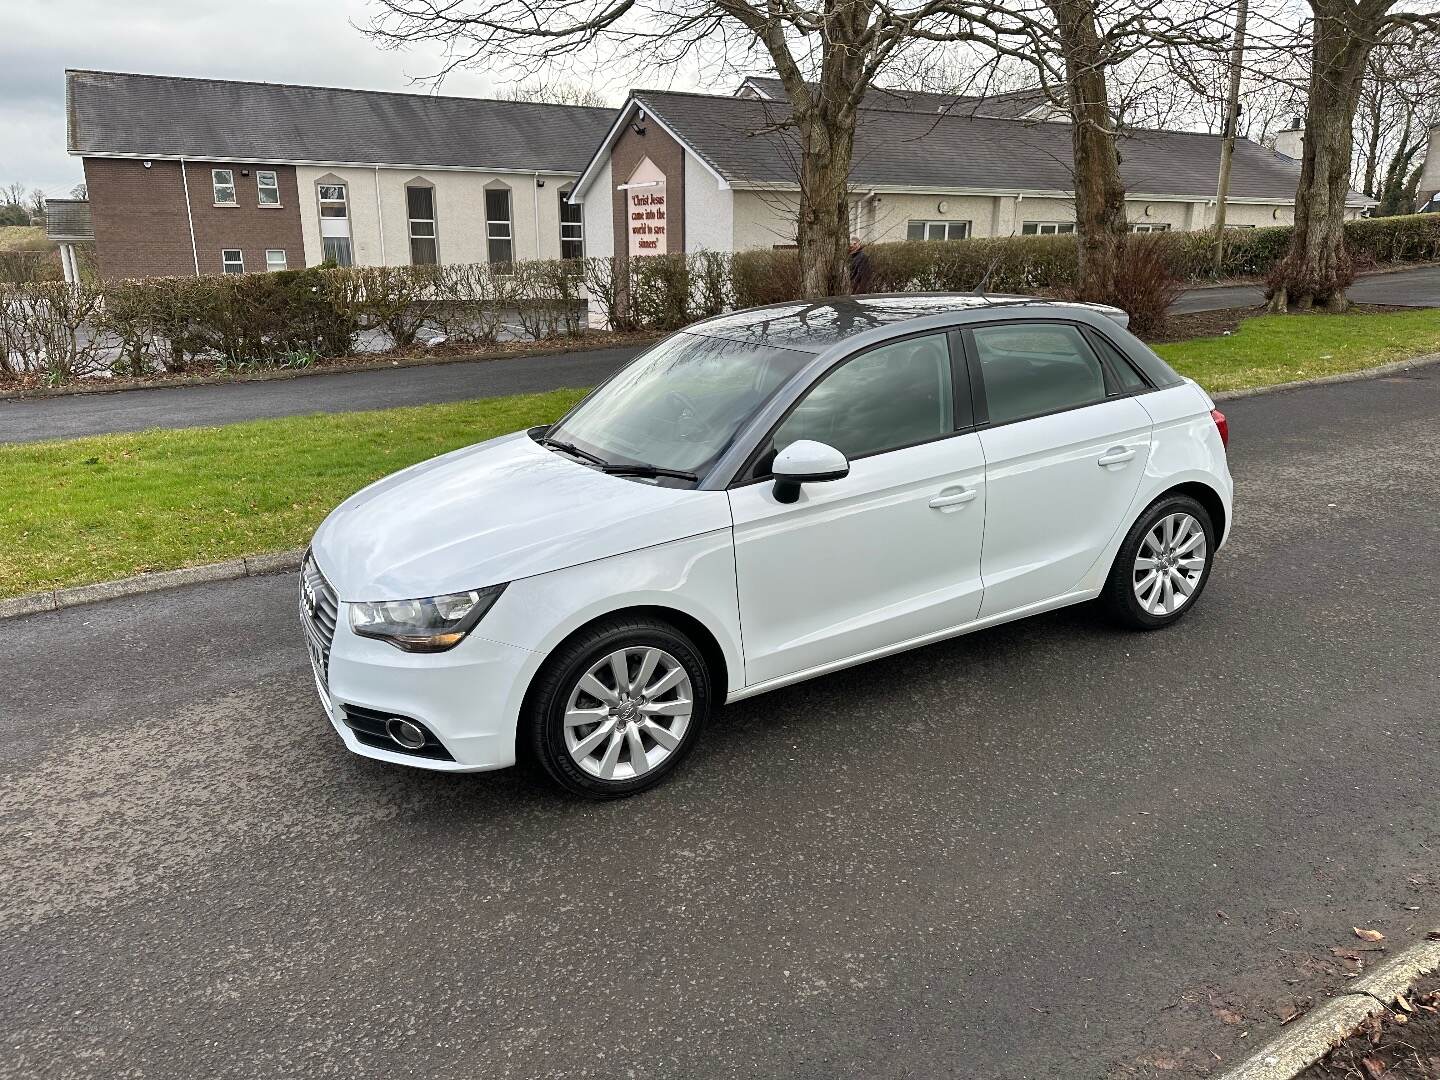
<point>545,296</point>
<point>765,277</point>
<point>1145,281</point>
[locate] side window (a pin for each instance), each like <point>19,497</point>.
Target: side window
<point>890,397</point>
<point>1035,368</point>
<point>1131,381</point>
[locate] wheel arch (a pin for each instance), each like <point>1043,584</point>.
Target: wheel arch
<point>1206,496</point>
<point>704,638</point>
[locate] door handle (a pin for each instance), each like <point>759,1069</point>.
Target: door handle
<point>1116,455</point>
<point>953,498</point>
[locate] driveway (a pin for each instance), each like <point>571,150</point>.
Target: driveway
<point>31,419</point>
<point>1048,850</point>
<point>1404,288</point>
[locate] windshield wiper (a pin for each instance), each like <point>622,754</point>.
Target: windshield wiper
<point>648,470</point>
<point>568,448</point>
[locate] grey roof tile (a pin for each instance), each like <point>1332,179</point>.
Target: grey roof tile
<point>215,119</point>
<point>905,149</point>
<point>1009,105</point>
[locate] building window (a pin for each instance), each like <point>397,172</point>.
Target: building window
<point>335,223</point>
<point>1150,226</point>
<point>268,183</point>
<point>337,250</point>
<point>572,228</point>
<point>232,261</point>
<point>223,181</point>
<point>1047,228</point>
<point>501,246</point>
<point>275,259</point>
<point>332,201</point>
<point>1229,226</point>
<point>420,203</point>
<point>938,230</point>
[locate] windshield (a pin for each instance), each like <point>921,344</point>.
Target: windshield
<point>680,405</point>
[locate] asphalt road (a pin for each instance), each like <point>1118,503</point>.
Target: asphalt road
<point>29,420</point>
<point>69,416</point>
<point>1048,850</point>
<point>1404,288</point>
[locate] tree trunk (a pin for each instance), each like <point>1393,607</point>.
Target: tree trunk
<point>827,143</point>
<point>1099,192</point>
<point>825,116</point>
<point>1317,269</point>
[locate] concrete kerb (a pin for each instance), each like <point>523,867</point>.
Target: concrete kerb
<point>278,562</point>
<point>1305,1042</point>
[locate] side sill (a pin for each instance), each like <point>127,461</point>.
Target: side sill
<point>1077,597</point>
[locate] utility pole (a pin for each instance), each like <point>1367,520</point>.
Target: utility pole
<point>1227,138</point>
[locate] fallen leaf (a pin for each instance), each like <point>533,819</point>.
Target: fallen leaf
<point>1400,1001</point>
<point>1345,954</point>
<point>1229,1016</point>
<point>1373,1067</point>
<point>1368,935</point>
<point>1399,1018</point>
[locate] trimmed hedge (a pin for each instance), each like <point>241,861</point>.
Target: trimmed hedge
<point>294,317</point>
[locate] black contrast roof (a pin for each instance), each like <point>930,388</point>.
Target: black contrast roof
<point>161,116</point>
<point>815,324</point>
<point>901,149</point>
<point>1011,105</point>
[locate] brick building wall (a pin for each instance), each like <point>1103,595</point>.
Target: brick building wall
<point>669,157</point>
<point>142,230</point>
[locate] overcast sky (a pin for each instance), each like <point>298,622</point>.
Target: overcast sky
<point>294,41</point>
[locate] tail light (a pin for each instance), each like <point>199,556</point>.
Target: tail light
<point>1222,426</point>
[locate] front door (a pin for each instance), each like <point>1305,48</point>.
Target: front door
<point>1064,453</point>
<point>888,554</point>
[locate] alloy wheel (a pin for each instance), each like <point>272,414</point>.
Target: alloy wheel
<point>628,713</point>
<point>1169,564</point>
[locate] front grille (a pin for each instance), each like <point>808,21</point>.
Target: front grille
<point>369,727</point>
<point>319,609</point>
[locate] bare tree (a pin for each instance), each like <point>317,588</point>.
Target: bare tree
<point>1316,270</point>
<point>1399,100</point>
<point>554,93</point>
<point>1073,47</point>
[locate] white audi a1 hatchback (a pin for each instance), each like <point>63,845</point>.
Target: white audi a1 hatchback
<point>761,498</point>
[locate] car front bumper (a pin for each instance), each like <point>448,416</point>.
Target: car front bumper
<point>467,698</point>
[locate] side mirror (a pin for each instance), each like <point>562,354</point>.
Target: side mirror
<point>806,462</point>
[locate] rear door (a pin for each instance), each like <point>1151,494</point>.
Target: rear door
<point>1065,447</point>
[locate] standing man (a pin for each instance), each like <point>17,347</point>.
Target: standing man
<point>860,273</point>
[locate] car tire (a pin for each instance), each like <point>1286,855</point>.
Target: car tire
<point>1158,562</point>
<point>586,731</point>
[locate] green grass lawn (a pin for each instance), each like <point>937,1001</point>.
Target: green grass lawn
<point>93,509</point>
<point>97,508</point>
<point>24,238</point>
<point>1283,348</point>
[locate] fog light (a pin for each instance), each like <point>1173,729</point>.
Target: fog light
<point>405,733</point>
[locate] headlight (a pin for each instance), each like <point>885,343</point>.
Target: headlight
<point>433,624</point>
